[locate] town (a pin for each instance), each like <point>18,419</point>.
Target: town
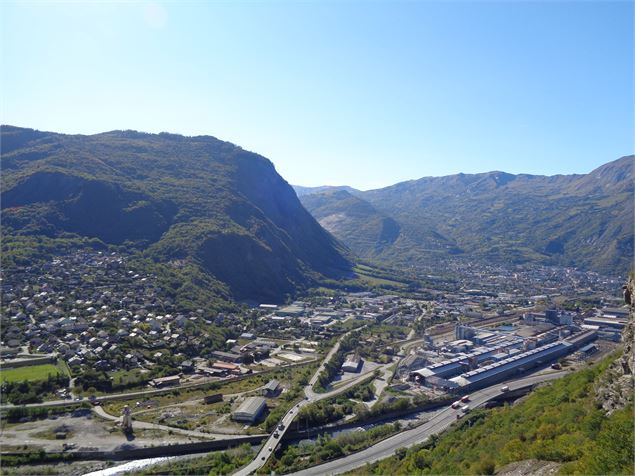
<point>89,327</point>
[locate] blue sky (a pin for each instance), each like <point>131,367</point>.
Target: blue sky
<point>359,93</point>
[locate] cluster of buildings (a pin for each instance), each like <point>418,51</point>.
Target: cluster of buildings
<point>92,309</point>
<point>318,319</point>
<point>480,357</point>
<point>530,281</point>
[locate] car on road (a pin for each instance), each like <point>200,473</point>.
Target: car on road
<point>465,408</point>
<point>281,426</point>
<point>276,435</point>
<point>270,448</point>
<point>505,388</point>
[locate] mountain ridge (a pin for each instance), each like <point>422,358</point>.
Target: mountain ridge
<point>174,197</point>
<point>579,219</point>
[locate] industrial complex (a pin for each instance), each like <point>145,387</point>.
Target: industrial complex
<point>480,357</point>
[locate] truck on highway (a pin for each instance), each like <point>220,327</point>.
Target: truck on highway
<point>465,398</point>
<point>456,404</point>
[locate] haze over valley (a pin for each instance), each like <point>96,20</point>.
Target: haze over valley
<point>463,303</point>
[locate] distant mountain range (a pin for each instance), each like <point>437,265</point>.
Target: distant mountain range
<point>214,216</point>
<point>195,201</point>
<point>578,220</point>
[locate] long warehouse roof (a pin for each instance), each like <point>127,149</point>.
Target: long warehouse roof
<point>456,361</point>
<point>515,361</point>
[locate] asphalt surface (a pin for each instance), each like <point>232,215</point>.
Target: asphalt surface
<point>440,421</point>
<point>270,444</point>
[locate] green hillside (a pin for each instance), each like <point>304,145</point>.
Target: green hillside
<point>573,220</point>
<point>363,228</point>
<point>199,208</point>
<point>561,422</point>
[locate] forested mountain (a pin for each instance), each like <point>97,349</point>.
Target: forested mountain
<point>366,230</point>
<point>580,220</point>
<point>182,201</point>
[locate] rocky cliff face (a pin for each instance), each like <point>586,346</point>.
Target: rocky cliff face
<point>618,385</point>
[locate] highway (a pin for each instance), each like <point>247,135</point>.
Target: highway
<point>440,421</point>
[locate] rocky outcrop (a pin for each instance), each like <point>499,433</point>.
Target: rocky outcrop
<point>529,467</point>
<point>617,386</point>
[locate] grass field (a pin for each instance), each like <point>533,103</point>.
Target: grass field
<point>374,281</point>
<point>375,277</point>
<point>32,373</point>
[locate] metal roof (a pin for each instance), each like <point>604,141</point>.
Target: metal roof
<point>456,361</point>
<point>251,405</point>
<point>512,362</point>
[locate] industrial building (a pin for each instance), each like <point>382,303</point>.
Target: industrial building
<point>521,362</point>
<point>271,389</point>
<point>228,356</point>
<point>586,351</point>
<point>250,410</point>
<point>463,363</point>
<point>499,371</point>
<point>604,322</point>
<point>352,363</point>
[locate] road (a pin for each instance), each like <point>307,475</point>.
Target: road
<point>440,421</point>
<point>146,393</point>
<point>270,444</point>
<point>153,426</point>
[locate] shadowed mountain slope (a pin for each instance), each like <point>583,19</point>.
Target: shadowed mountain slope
<point>180,199</point>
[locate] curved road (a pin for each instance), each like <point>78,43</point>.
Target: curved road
<point>310,396</point>
<point>154,426</point>
<point>440,420</point>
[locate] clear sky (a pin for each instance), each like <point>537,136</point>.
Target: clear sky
<point>341,92</point>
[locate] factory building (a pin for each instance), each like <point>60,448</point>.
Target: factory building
<point>499,371</point>
<point>521,362</point>
<point>603,322</point>
<point>463,363</point>
<point>616,311</point>
<point>352,364</point>
<point>250,410</point>
<point>586,351</point>
<point>271,389</point>
<point>582,338</point>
